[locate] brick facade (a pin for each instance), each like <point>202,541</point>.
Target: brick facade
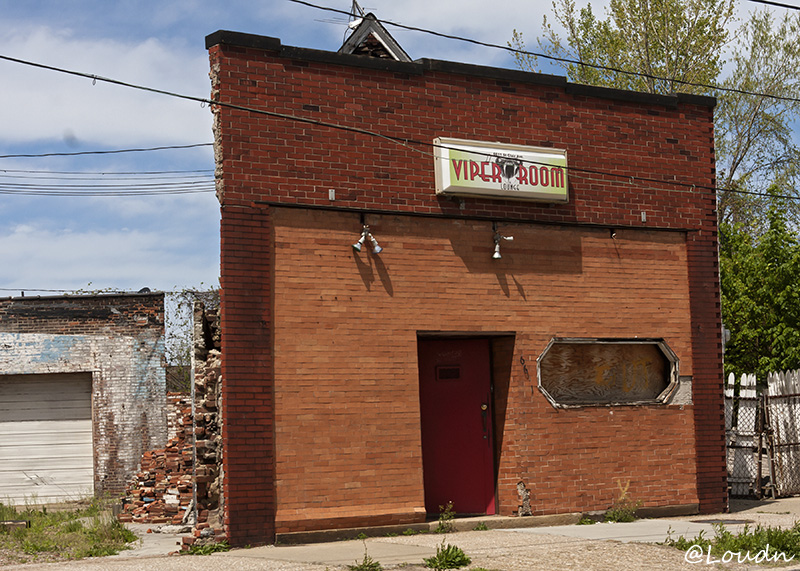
<point>119,339</point>
<point>321,420</point>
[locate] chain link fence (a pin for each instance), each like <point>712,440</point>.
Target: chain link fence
<point>762,434</point>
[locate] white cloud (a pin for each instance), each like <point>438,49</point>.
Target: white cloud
<point>47,105</point>
<point>50,258</point>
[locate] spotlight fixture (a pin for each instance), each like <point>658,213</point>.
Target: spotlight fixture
<point>497,238</point>
<point>366,235</point>
<point>357,245</point>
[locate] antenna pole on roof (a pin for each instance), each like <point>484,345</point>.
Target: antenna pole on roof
<point>357,8</point>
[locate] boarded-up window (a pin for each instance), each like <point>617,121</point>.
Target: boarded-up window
<point>585,372</point>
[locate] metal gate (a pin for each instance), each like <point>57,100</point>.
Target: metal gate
<point>762,434</point>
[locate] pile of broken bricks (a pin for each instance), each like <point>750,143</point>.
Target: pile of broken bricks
<point>162,492</point>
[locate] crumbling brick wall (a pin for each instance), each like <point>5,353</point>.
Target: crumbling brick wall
<point>119,339</point>
<point>188,468</point>
<point>208,424</point>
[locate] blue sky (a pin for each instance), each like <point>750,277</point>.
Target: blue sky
<point>164,242</point>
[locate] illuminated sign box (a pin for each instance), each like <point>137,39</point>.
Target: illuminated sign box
<point>515,172</point>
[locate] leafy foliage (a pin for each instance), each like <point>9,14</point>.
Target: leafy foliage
<point>754,142</point>
<point>448,557</point>
<point>446,516</point>
<point>786,541</point>
<point>678,40</point>
<point>366,564</point>
<point>671,46</point>
<point>207,548</point>
<point>761,296</point>
<point>624,507</point>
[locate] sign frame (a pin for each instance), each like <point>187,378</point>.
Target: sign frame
<point>465,167</point>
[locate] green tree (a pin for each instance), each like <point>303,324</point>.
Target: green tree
<point>761,295</point>
<point>664,41</point>
<point>675,43</point>
<point>676,46</point>
<point>754,142</point>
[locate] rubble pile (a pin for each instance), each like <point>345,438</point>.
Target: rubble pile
<point>190,465</point>
<point>162,491</point>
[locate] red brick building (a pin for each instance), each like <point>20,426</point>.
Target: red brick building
<point>449,362</point>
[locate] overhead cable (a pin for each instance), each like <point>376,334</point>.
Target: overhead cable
<point>561,59</point>
<point>106,152</point>
<point>778,4</point>
<point>405,142</point>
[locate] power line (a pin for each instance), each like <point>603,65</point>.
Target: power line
<point>104,173</point>
<point>406,142</point>
<point>561,59</point>
<point>94,193</point>
<point>105,152</point>
<point>778,4</point>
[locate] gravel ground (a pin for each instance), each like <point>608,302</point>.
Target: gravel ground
<point>495,550</point>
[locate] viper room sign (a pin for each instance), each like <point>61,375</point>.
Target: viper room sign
<point>475,168</point>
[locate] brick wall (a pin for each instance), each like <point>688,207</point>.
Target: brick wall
<point>331,335</point>
<point>120,340</point>
<point>346,356</point>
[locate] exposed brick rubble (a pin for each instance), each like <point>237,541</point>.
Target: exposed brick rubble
<point>208,424</point>
<point>162,492</point>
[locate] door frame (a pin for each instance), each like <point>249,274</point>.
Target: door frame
<point>425,336</point>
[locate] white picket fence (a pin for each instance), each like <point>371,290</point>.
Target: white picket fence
<point>783,406</point>
<point>778,434</point>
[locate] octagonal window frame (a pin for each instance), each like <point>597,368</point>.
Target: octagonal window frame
<point>661,399</point>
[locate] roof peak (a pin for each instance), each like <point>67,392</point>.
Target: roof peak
<point>370,38</point>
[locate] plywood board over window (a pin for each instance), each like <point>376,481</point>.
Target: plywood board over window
<point>587,372</point>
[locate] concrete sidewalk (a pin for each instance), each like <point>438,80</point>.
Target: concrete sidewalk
<point>506,546</point>
<point>411,550</point>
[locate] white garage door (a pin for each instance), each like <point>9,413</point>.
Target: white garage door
<point>45,438</point>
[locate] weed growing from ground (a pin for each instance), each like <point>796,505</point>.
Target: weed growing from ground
<point>207,548</point>
<point>480,527</point>
<point>446,516</point>
<point>448,557</point>
<point>367,564</point>
<point>624,508</point>
<point>60,535</point>
<point>749,540</point>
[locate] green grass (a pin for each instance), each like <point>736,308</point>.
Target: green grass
<point>60,535</point>
<point>207,548</point>
<point>750,541</point>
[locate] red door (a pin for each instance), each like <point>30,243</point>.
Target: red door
<point>456,416</point>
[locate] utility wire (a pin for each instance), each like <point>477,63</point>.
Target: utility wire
<point>107,152</point>
<point>561,59</point>
<point>406,142</point>
<point>778,4</point>
<point>103,173</point>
